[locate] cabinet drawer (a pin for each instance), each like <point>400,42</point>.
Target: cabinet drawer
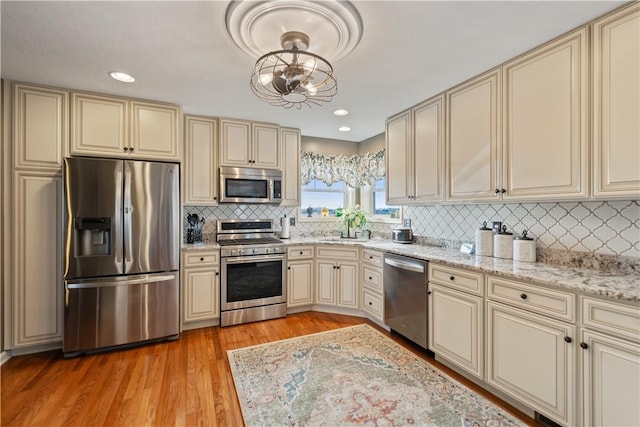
<point>372,277</point>
<point>337,253</point>
<point>372,257</point>
<point>201,259</point>
<point>530,297</point>
<point>608,316</point>
<point>299,252</point>
<point>372,303</point>
<point>456,278</point>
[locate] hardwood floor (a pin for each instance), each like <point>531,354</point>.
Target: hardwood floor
<point>181,383</point>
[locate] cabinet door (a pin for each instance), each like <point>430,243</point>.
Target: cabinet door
<point>611,381</point>
<point>529,359</point>
<point>37,248</point>
<point>155,131</point>
<point>201,294</point>
<point>545,132</point>
<point>399,185</point>
<point>326,273</point>
<point>290,143</point>
<point>299,283</point>
<point>40,127</point>
<point>266,146</point>
<point>99,125</point>
<point>473,139</point>
<point>348,285</point>
<point>616,104</point>
<point>235,143</point>
<point>456,328</point>
<point>428,147</point>
<point>200,167</point>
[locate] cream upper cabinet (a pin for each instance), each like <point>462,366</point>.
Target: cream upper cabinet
<point>545,128</point>
<point>474,138</point>
<point>37,247</point>
<point>201,162</point>
<point>290,143</point>
<point>616,104</point>
<point>247,144</point>
<point>414,152</point>
<point>40,126</point>
<point>155,131</point>
<point>117,127</point>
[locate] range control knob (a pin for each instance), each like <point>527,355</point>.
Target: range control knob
<point>267,251</point>
<point>232,252</point>
<point>240,251</point>
<point>255,251</point>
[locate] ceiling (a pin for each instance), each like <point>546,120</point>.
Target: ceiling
<point>180,52</point>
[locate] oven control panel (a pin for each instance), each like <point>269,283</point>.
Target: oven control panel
<point>252,250</point>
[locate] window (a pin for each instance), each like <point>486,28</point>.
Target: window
<point>379,198</point>
<point>319,200</point>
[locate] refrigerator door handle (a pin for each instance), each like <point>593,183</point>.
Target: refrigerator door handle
<point>118,217</point>
<point>104,284</point>
<point>128,243</point>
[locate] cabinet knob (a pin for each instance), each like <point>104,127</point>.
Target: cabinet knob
<point>300,252</point>
<point>370,278</point>
<point>567,339</point>
<point>288,268</point>
<point>370,257</point>
<point>452,278</point>
<point>131,149</point>
<point>497,191</point>
<point>201,259</point>
<point>584,345</point>
<point>503,191</point>
<point>338,267</point>
<point>215,198</point>
<point>217,273</point>
<point>126,148</point>
<point>370,303</point>
<point>428,292</point>
<point>523,296</point>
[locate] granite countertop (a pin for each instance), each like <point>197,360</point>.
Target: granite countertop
<point>624,287</point>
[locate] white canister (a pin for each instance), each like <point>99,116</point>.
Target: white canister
<point>503,244</point>
<point>484,241</point>
<point>524,248</point>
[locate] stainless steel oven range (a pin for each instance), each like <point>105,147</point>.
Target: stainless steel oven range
<point>253,271</point>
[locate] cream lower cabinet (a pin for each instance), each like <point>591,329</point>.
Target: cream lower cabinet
<point>201,161</point>
<point>372,284</point>
<point>299,276</point>
<point>610,356</point>
<point>531,346</point>
<point>110,126</point>
<point>337,278</point>
<point>37,259</point>
<point>456,317</point>
<point>200,288</point>
<point>616,104</point>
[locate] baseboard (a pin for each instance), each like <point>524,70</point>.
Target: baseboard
<point>4,356</point>
<point>35,349</point>
<point>200,324</point>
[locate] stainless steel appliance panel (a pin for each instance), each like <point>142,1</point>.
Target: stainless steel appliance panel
<point>250,185</point>
<point>93,190</point>
<point>151,217</point>
<point>405,297</point>
<point>111,311</point>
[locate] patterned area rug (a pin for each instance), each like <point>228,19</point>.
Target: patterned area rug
<point>351,376</point>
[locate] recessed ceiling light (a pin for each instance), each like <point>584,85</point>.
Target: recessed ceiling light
<point>122,77</point>
<point>344,128</point>
<point>341,112</point>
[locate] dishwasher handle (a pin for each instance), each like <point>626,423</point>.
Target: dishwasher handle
<point>405,265</point>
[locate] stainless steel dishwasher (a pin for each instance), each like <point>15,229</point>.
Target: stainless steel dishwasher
<point>405,297</point>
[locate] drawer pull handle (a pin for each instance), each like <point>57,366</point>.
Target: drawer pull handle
<point>523,296</point>
<point>300,252</point>
<point>452,278</point>
<point>201,259</point>
<point>567,339</point>
<point>584,345</point>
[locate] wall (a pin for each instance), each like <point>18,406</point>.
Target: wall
<point>328,146</point>
<point>372,145</point>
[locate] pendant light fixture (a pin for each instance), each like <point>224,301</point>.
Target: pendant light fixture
<point>293,77</point>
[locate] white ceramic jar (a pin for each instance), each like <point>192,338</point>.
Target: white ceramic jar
<point>484,241</point>
<point>503,244</point>
<point>524,248</point>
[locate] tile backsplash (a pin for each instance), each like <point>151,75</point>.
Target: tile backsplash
<point>604,228</point>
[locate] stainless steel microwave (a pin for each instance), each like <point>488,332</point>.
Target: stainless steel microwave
<point>250,185</point>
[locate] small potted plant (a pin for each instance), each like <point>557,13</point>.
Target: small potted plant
<point>353,217</point>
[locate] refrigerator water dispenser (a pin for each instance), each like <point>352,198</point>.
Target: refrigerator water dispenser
<point>93,236</point>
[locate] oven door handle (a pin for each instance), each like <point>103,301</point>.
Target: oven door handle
<point>254,258</point>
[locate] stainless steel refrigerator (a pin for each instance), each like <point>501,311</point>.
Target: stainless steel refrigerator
<point>121,253</point>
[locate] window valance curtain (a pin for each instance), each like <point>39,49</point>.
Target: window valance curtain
<point>356,171</point>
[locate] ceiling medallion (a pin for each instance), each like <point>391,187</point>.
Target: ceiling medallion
<point>293,76</point>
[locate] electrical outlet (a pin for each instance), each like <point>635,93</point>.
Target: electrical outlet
<point>497,226</point>
<point>292,220</point>
<point>406,222</point>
